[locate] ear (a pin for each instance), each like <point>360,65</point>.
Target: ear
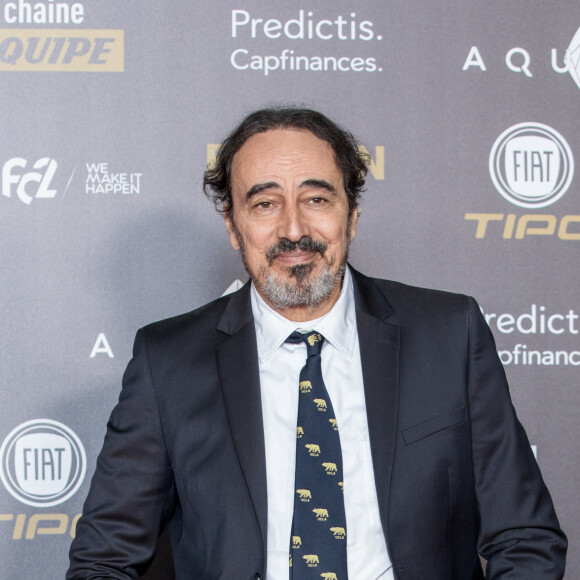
<point>232,232</point>
<point>354,215</point>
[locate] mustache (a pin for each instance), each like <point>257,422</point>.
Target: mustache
<point>304,244</point>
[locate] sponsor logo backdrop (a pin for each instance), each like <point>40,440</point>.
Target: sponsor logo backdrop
<point>111,112</point>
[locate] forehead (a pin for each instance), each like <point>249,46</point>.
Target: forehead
<point>284,153</point>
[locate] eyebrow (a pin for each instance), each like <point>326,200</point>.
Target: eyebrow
<point>259,187</point>
<point>318,183</point>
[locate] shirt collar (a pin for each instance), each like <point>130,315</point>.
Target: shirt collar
<point>337,326</point>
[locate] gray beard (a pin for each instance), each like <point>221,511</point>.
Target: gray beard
<point>310,292</point>
<point>305,291</point>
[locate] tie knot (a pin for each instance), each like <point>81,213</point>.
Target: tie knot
<point>313,341</point>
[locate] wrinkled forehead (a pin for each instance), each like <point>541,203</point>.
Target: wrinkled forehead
<point>284,153</point>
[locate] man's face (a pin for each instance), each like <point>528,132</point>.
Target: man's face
<point>290,220</point>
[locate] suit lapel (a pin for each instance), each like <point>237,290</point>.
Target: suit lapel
<point>237,360</point>
<point>379,345</point>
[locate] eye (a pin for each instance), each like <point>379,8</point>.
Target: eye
<point>265,204</point>
<point>317,200</point>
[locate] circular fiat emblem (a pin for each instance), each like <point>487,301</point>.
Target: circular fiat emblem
<point>531,165</point>
<point>43,463</point>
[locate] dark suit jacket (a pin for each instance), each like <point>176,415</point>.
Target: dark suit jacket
<point>453,468</point>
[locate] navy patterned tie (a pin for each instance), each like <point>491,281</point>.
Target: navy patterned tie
<point>318,544</point>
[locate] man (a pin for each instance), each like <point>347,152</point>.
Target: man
<point>434,464</point>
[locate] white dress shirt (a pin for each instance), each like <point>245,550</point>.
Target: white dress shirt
<point>280,364</point>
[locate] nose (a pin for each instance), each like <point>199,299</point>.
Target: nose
<point>293,224</point>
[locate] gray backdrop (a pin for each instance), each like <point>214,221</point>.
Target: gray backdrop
<point>110,110</point>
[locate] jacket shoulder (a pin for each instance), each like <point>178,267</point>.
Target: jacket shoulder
<point>199,325</point>
<point>400,294</point>
<point>405,299</point>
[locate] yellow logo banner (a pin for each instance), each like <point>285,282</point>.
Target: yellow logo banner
<point>61,50</point>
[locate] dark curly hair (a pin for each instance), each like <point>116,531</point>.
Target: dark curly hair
<point>351,161</point>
